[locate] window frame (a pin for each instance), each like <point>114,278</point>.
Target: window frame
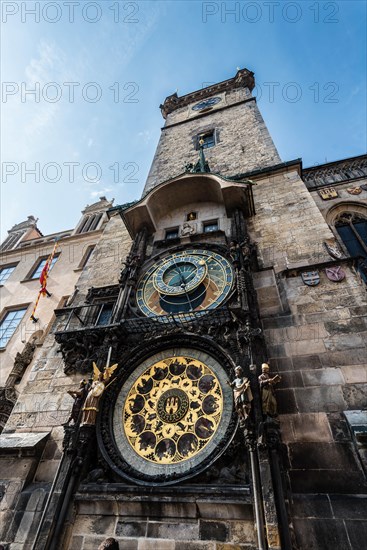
<point>30,276</point>
<point>204,135</point>
<point>172,230</point>
<point>5,313</point>
<point>7,266</point>
<point>208,223</point>
<point>86,256</point>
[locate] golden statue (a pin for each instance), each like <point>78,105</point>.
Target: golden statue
<point>242,393</point>
<point>268,401</point>
<point>99,384</point>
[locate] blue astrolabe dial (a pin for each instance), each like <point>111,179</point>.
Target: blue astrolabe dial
<point>180,275</point>
<point>206,103</point>
<point>193,280</point>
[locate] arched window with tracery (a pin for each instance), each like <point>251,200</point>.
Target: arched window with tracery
<point>352,229</point>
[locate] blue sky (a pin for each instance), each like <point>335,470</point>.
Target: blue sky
<point>309,60</point>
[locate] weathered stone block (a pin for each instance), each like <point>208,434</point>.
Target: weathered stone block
<point>153,544</point>
<point>281,364</point>
<point>323,398</point>
<point>306,427</point>
<point>176,531</point>
<point>306,362</point>
<point>357,533</point>
<point>197,545</point>
<point>158,510</point>
<point>85,525</point>
<point>345,342</point>
<point>76,543</point>
<point>131,529</point>
<point>46,470</point>
<point>286,401</point>
<point>327,481</point>
<point>355,396</point>
<point>15,468</point>
<point>311,506</point>
<point>214,530</point>
<point>304,347</point>
<point>354,374</point>
<point>327,456</point>
<point>291,379</point>
<point>224,510</point>
<point>320,377</point>
<point>315,534</point>
<point>242,532</point>
<point>103,507</point>
<point>349,507</point>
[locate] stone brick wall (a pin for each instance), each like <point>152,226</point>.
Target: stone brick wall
<point>244,143</point>
<point>104,267</point>
<point>44,405</point>
<point>288,227</point>
<point>317,341</point>
<point>174,522</point>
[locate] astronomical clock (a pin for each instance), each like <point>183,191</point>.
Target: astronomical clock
<point>170,413</point>
<point>190,280</point>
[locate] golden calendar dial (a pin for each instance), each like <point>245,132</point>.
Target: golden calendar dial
<point>173,410</point>
<point>172,416</point>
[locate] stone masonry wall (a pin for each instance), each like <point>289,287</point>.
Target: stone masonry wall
<point>163,523</point>
<point>317,340</point>
<point>104,268</point>
<point>244,144</point>
<point>44,405</point>
<point>288,227</point>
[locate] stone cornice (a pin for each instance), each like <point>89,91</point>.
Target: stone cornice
<point>243,79</point>
<point>335,172</point>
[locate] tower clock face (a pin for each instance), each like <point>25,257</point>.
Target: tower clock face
<point>190,280</point>
<point>206,103</point>
<point>172,416</point>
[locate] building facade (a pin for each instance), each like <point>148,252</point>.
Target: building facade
<point>205,386</point>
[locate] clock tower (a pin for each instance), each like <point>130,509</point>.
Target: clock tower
<point>179,420</point>
<point>207,321</point>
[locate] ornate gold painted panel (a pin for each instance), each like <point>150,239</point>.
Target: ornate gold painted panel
<point>173,410</point>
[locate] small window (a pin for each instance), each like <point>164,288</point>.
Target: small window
<point>206,140</point>
<point>86,257</point>
<point>104,316</point>
<point>10,241</point>
<point>90,223</point>
<point>172,234</point>
<point>41,264</point>
<point>5,273</point>
<point>209,227</point>
<point>9,324</point>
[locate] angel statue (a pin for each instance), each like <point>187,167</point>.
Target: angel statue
<point>99,384</point>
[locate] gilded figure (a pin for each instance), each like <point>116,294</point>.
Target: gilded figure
<point>267,383</point>
<point>99,384</point>
<point>242,393</point>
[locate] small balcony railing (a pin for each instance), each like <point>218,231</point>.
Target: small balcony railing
<point>99,316</point>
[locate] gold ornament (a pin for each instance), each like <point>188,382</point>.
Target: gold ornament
<point>173,410</point>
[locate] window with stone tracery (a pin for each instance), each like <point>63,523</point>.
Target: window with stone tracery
<point>352,229</point>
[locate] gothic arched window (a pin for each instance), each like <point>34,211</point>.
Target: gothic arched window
<point>352,229</point>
